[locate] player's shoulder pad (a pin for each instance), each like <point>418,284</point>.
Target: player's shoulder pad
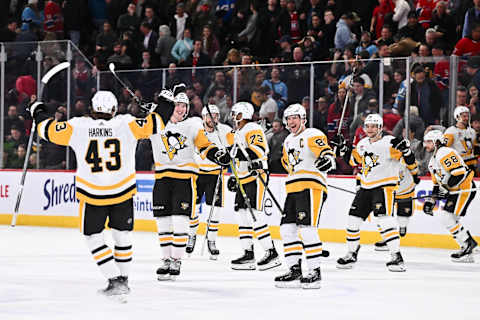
<point>249,126</point>
<point>313,132</point>
<point>451,129</point>
<point>79,121</point>
<point>443,151</point>
<point>194,122</point>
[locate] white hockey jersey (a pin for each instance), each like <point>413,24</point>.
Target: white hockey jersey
<point>252,139</point>
<point>406,186</point>
<point>174,146</point>
<point>445,163</point>
<point>463,141</point>
<point>105,153</point>
<point>380,162</point>
<point>205,165</point>
<point>299,155</point>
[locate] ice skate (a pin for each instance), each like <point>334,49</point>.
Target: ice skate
<point>312,279</point>
<point>163,271</point>
<point>348,261</point>
<point>465,255</point>
<point>212,249</point>
<point>381,246</point>
<point>174,270</point>
<point>245,262</point>
<point>396,264</point>
<point>291,279</point>
<point>117,289</point>
<point>270,260</point>
<point>192,239</point>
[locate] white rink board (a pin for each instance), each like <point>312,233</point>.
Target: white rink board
<point>51,193</point>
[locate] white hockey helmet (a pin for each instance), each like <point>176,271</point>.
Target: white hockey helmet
<point>183,98</point>
<point>243,108</point>
<point>436,136</point>
<point>213,109</point>
<point>459,110</point>
<point>104,102</point>
<point>292,110</point>
<point>375,119</point>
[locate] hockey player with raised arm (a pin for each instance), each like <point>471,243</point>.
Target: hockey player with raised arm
<point>208,175</point>
<point>174,144</point>
<point>379,156</point>
<point>105,178</point>
<point>450,174</point>
<point>404,195</point>
<point>463,138</point>
<point>306,157</point>
<point>250,151</point>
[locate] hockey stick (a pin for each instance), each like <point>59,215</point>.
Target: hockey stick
<point>111,66</point>
<point>341,189</point>
<point>59,67</point>
<point>217,187</point>
<point>438,196</point>
<point>234,170</point>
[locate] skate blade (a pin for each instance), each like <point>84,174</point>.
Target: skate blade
<point>397,268</point>
<point>381,249</point>
<point>466,259</point>
<point>244,267</point>
<point>288,285</point>
<point>273,264</point>
<point>345,266</point>
<point>214,257</point>
<point>312,285</point>
<point>164,277</point>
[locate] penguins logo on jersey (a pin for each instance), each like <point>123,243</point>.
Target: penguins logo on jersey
<point>294,157</point>
<point>401,176</point>
<point>370,161</point>
<point>173,142</point>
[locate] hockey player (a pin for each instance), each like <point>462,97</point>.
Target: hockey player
<point>450,173</point>
<point>207,180</point>
<point>174,194</point>
<point>406,191</point>
<point>306,157</point>
<point>462,137</point>
<point>250,150</point>
<point>105,178</point>
<point>380,158</point>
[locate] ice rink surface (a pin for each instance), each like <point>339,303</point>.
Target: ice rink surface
<point>48,273</point>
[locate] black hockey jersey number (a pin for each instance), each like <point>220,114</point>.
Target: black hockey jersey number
<point>95,161</point>
<point>60,126</point>
<point>256,138</point>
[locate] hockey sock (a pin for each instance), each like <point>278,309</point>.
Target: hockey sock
<point>102,255</point>
<point>353,232</point>
<point>123,250</point>
<point>261,230</point>
<point>403,221</point>
<point>312,245</point>
<point>180,236</point>
<point>194,221</point>
<point>454,227</point>
<point>214,224</point>
<point>292,245</point>
<point>389,232</point>
<point>165,236</point>
<point>245,229</point>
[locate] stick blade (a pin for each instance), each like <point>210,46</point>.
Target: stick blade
<point>59,67</point>
<point>111,66</point>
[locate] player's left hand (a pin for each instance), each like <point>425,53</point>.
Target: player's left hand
<point>402,145</point>
<point>232,184</point>
<point>325,163</point>
<point>148,107</point>
<point>223,157</point>
<point>167,95</point>
<point>416,179</point>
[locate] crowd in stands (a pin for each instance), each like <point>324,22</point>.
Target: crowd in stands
<point>183,36</point>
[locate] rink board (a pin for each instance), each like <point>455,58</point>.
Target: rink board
<point>49,200</point>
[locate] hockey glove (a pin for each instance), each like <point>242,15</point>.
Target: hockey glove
<point>222,157</point>
<point>428,206</point>
<point>148,107</point>
<point>324,163</point>
<point>439,192</point>
<point>36,109</point>
<point>416,179</point>
<point>340,145</point>
<point>402,145</point>
<point>232,184</point>
<point>167,95</point>
<point>181,87</point>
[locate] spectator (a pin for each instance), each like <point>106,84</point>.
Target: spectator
<point>402,8</point>
<point>320,115</point>
<point>366,44</point>
<point>219,98</point>
<point>210,45</point>
<point>472,17</point>
<point>106,39</point>
<point>150,39</point>
<point>75,15</point>
<point>470,45</point>
<point>53,18</point>
<point>431,36</point>
<point>297,27</point>
<point>424,10</point>
<point>147,63</point>
<point>278,88</point>
<point>129,21</point>
<point>173,78</point>
<point>32,15</point>
<point>247,35</point>
<point>473,103</point>
<point>444,23</point>
<point>82,79</point>
<point>344,36</point>
<point>412,30</point>
<point>372,107</point>
<point>182,48</point>
<point>378,16</point>
<point>361,96</point>
<point>80,108</point>
<point>268,108</point>
<point>417,125</point>
<point>335,114</point>
<point>219,80</point>
<point>286,49</point>
<point>13,140</point>
<point>385,36</point>
<point>390,119</point>
<point>8,33</point>
<point>151,17</point>
<point>12,120</point>
<point>180,22</point>
<point>120,57</point>
<point>17,159</point>
<point>275,144</point>
<point>164,46</point>
<point>310,49</point>
<point>473,66</point>
<point>314,29</point>
<point>426,95</point>
<point>198,59</point>
<point>298,80</point>
<point>326,36</point>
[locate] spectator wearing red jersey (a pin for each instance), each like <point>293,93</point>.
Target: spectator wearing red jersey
<point>424,10</point>
<point>26,86</point>
<point>470,45</point>
<point>378,17</point>
<point>297,27</point>
<point>390,118</point>
<point>53,18</point>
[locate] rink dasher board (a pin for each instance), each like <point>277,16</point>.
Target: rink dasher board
<point>49,200</point>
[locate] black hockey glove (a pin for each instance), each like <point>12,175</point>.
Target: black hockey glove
<point>416,179</point>
<point>324,163</point>
<point>339,144</point>
<point>222,157</point>
<point>428,206</point>
<point>166,95</point>
<point>148,107</point>
<point>402,145</point>
<point>440,193</point>
<point>181,87</point>
<point>232,184</point>
<point>38,111</point>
